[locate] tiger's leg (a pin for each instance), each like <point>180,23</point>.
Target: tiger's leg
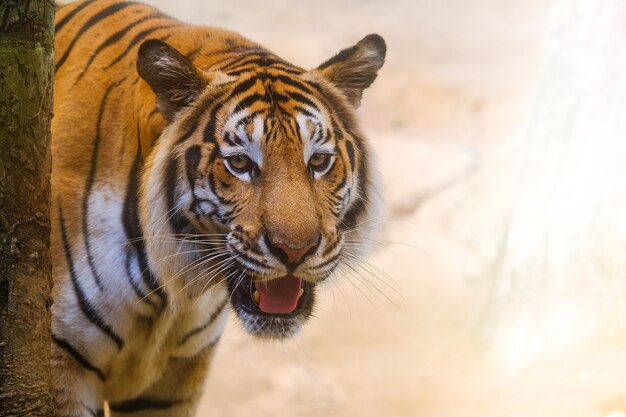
<point>76,384</point>
<point>177,393</point>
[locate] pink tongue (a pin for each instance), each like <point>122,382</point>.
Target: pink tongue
<point>279,296</point>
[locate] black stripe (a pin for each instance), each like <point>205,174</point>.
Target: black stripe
<point>344,180</point>
<point>272,96</point>
<point>304,111</point>
<point>188,133</point>
<point>102,14</point>
<point>243,86</point>
<point>66,346</point>
<point>192,162</point>
<point>350,219</point>
<point>254,66</point>
<point>293,129</point>
<point>327,135</point>
<point>228,138</point>
<point>192,54</point>
<point>141,404</point>
<point>191,122</point>
<point>138,38</point>
<point>199,212</point>
<point>336,130</point>
<point>296,132</point>
<point>311,88</point>
<point>132,228</point>
<point>294,83</point>
<point>70,15</point>
<point>330,260</point>
<point>302,99</point>
<point>240,59</point>
<point>263,61</point>
<point>330,248</point>
<point>210,130</point>
<point>87,309</point>
<point>267,60</point>
<point>346,197</point>
<point>89,185</point>
<point>198,329</point>
<point>213,185</point>
<point>250,260</point>
<point>275,67</point>
<point>180,224</point>
<point>289,69</point>
<point>249,101</point>
<point>350,150</point>
<point>113,39</point>
<point>130,218</point>
<point>131,280</point>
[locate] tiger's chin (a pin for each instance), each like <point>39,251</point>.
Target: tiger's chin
<point>273,323</point>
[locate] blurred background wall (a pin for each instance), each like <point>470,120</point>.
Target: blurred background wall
<point>497,285</point>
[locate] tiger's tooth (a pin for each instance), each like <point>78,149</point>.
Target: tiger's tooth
<point>300,293</point>
<point>256,296</point>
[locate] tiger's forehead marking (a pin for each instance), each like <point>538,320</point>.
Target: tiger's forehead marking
<point>234,120</point>
<point>244,140</point>
<point>245,135</point>
<point>311,133</point>
<point>304,124</point>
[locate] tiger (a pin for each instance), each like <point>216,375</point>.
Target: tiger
<point>194,173</point>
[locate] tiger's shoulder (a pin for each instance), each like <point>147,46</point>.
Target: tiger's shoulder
<point>97,40</point>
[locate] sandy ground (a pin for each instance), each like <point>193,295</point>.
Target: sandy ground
<point>405,336</point>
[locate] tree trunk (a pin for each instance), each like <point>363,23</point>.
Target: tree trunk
<point>26,80</point>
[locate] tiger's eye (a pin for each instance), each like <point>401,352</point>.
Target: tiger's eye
<point>319,161</point>
<point>240,163</point>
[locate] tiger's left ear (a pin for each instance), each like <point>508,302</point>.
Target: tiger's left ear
<point>175,80</point>
<point>354,69</point>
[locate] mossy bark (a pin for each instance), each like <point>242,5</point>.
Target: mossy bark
<point>26,80</point>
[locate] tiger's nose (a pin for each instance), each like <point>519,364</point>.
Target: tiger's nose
<point>290,255</point>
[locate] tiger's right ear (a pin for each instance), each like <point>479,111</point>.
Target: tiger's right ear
<point>175,80</point>
<point>354,69</point>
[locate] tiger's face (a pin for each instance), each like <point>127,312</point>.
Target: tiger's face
<point>266,175</point>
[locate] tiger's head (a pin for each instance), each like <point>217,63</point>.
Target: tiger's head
<point>262,181</point>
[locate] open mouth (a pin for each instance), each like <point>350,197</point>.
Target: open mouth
<point>284,297</point>
<point>274,309</point>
